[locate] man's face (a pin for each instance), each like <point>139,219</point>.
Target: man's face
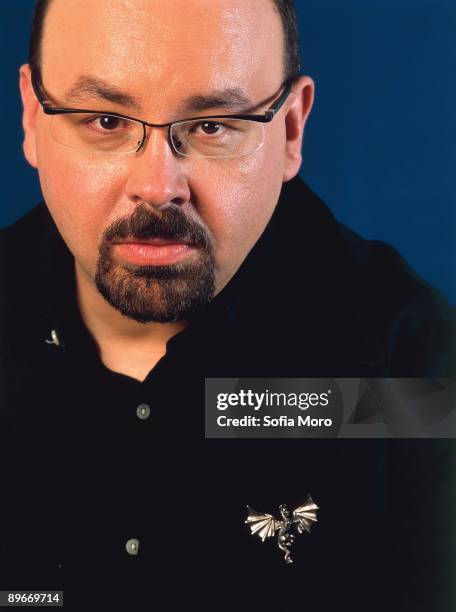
<point>158,233</point>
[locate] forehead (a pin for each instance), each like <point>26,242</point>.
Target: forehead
<point>170,47</point>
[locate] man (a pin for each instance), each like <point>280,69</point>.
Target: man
<point>177,244</point>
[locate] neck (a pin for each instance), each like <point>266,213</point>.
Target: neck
<point>125,346</point>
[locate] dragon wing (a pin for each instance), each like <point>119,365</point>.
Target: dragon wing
<point>305,515</point>
<point>264,525</point>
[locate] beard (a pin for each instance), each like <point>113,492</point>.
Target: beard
<point>161,294</point>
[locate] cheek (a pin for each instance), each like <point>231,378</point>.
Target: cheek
<point>79,194</point>
<point>244,193</point>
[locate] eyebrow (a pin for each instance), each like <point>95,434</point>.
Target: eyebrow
<point>98,88</point>
<point>231,98</point>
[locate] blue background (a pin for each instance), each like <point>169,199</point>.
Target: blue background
<point>380,147</point>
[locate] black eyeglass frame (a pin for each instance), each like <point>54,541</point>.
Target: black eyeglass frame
<point>267,117</point>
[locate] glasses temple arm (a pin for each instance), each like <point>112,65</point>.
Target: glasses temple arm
<point>270,114</point>
<point>38,90</point>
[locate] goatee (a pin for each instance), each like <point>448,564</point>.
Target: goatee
<point>165,293</point>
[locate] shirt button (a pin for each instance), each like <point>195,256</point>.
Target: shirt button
<point>143,411</point>
<point>132,546</point>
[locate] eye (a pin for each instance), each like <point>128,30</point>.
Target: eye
<point>210,127</point>
<point>108,122</point>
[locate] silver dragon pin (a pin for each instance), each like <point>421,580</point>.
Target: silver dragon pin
<point>300,520</point>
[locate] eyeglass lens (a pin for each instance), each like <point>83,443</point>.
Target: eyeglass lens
<point>108,134</point>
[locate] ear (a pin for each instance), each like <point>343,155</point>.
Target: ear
<point>30,108</point>
<point>302,98</point>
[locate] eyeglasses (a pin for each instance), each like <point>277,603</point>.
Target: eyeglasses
<point>214,136</point>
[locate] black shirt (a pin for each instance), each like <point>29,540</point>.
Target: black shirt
<point>83,474</point>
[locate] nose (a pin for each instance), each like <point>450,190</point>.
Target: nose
<point>156,174</point>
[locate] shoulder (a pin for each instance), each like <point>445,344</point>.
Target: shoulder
<point>20,246</point>
<point>28,226</point>
<point>386,272</point>
<point>414,319</point>
<point>21,282</point>
<point>372,307</point>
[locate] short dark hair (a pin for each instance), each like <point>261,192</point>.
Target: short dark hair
<point>285,9</point>
<point>292,59</point>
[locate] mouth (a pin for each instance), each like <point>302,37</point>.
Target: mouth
<point>153,251</point>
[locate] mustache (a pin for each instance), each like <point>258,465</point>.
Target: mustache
<point>168,224</point>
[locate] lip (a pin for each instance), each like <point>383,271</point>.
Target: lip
<point>153,252</point>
